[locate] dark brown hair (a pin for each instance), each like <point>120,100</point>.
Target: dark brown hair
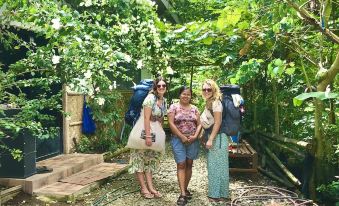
<point>155,83</point>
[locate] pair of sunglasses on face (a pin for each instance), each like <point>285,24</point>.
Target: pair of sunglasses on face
<point>206,89</point>
<point>161,85</point>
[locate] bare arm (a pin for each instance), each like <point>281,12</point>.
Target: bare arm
<point>147,124</point>
<point>215,129</point>
<point>197,132</point>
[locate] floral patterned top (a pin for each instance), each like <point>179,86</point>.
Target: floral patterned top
<point>150,101</point>
<point>185,119</point>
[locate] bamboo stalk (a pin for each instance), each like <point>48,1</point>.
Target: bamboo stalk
<point>299,154</point>
<point>284,139</point>
<point>271,175</point>
<point>290,176</point>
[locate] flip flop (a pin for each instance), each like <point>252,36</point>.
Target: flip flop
<point>147,195</point>
<point>157,194</point>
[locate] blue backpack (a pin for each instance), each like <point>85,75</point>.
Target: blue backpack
<point>135,105</point>
<point>231,115</point>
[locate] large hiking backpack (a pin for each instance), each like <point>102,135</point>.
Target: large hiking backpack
<point>135,105</point>
<point>231,115</point>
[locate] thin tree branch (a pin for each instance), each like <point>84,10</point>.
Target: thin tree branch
<point>308,18</point>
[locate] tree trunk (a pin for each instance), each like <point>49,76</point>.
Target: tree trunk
<point>319,149</point>
<point>276,108</point>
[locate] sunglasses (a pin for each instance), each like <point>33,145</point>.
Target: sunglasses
<point>161,85</point>
<point>207,90</point>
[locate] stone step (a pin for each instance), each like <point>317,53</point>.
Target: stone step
<point>63,166</point>
<point>70,187</point>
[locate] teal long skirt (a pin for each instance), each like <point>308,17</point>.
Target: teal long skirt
<point>218,168</point>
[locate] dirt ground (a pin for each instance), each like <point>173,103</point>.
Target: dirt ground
<point>124,190</point>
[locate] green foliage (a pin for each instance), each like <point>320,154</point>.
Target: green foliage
<point>298,100</point>
<point>331,132</point>
<point>329,192</point>
<point>247,71</point>
<point>88,45</point>
<point>106,107</point>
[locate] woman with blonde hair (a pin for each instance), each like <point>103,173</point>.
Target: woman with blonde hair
<point>217,143</point>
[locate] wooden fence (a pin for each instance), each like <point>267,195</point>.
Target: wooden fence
<point>72,119</point>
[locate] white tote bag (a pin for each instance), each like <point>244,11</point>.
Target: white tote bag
<point>135,140</point>
<point>206,119</point>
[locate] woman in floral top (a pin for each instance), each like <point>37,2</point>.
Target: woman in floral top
<point>183,119</point>
<point>145,162</point>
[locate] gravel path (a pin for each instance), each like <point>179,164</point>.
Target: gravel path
<point>124,190</point>
<point>166,182</point>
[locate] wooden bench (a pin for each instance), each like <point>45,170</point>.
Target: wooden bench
<point>243,158</point>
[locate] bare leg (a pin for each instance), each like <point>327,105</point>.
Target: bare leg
<point>141,180</point>
<point>188,172</point>
<point>181,174</point>
<point>149,181</point>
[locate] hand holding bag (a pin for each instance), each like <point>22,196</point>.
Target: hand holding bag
<point>136,139</point>
<point>206,119</point>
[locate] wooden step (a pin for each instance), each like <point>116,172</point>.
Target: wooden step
<point>63,166</point>
<point>70,187</point>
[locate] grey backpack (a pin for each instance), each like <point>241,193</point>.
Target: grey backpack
<point>230,117</point>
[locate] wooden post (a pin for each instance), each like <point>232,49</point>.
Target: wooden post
<point>65,120</point>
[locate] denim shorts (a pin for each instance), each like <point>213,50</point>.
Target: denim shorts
<point>182,152</point>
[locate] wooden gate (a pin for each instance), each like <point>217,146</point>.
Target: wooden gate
<point>73,104</point>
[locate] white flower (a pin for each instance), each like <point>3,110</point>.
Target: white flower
<point>110,87</point>
<point>124,29</point>
<point>169,70</point>
<point>127,58</point>
<point>56,24</point>
<point>101,101</point>
<point>71,86</point>
<point>88,74</point>
<point>88,3</point>
<point>180,30</point>
<point>114,84</point>
<point>97,89</point>
<point>55,59</point>
<point>139,64</point>
<point>327,91</point>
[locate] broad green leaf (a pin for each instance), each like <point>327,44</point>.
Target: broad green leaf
<point>298,100</point>
<point>327,10</point>
<point>276,28</point>
<point>208,40</point>
<point>221,23</point>
<point>278,62</point>
<point>290,70</point>
<point>243,25</point>
<point>234,17</point>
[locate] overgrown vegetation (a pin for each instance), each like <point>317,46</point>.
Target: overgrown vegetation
<point>283,54</point>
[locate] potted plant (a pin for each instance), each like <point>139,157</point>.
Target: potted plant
<point>18,156</point>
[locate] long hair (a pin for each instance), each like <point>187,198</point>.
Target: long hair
<point>155,83</point>
<point>216,94</point>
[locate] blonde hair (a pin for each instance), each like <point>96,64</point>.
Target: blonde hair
<point>216,94</point>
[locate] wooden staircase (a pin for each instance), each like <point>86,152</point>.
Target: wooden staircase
<point>72,174</point>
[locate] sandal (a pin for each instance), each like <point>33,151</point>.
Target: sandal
<point>182,200</point>
<point>157,194</point>
<point>147,195</point>
<point>188,195</point>
<point>211,199</point>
